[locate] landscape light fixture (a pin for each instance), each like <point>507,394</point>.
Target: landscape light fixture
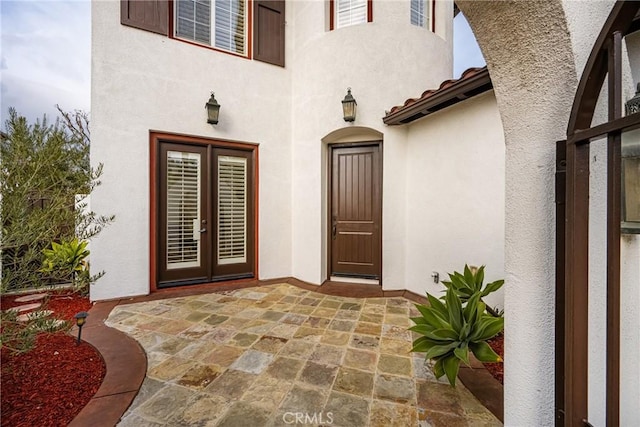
<point>349,107</point>
<point>81,318</point>
<point>631,172</point>
<point>213,110</point>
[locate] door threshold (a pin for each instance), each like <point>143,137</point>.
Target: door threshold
<point>354,280</point>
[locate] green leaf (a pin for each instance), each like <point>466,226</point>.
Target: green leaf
<point>468,277</point>
<point>422,329</point>
<point>418,320</point>
<point>480,277</point>
<point>441,350</point>
<point>492,287</point>
<point>438,339</point>
<point>445,334</point>
<point>464,332</point>
<point>471,308</point>
<point>421,345</point>
<point>458,282</point>
<point>484,352</point>
<point>462,353</point>
<point>455,310</point>
<point>422,308</point>
<point>438,306</point>
<point>432,317</point>
<point>451,365</point>
<point>487,327</point>
<point>438,369</point>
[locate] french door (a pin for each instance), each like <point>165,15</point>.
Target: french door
<point>205,211</point>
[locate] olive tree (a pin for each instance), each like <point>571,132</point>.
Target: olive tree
<point>43,167</point>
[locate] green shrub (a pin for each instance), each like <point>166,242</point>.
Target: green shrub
<point>470,283</point>
<point>450,331</point>
<point>67,261</point>
<point>42,169</point>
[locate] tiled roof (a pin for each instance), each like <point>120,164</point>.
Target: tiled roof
<point>472,82</point>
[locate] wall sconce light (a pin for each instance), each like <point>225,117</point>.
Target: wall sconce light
<point>349,107</point>
<point>631,172</point>
<point>633,105</point>
<point>213,110</point>
<point>81,318</point>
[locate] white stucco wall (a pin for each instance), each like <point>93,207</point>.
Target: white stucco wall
<point>455,195</point>
<point>143,81</point>
<point>384,62</point>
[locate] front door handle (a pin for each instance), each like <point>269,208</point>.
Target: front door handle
<point>334,228</point>
<point>202,230</point>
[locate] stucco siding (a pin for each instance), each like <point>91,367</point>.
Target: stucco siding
<point>455,195</point>
<point>383,62</point>
<point>143,81</point>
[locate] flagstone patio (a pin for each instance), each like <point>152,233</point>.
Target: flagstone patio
<point>280,355</point>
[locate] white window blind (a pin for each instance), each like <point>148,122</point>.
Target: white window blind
<point>222,26</point>
<point>232,210</point>
<point>230,25</point>
<point>350,12</point>
<point>420,13</point>
<point>183,210</point>
<point>193,20</point>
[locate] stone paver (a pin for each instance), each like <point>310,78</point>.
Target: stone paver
<point>33,297</point>
<point>26,307</point>
<point>279,355</point>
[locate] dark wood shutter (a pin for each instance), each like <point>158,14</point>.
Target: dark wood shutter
<point>149,15</point>
<point>269,31</point>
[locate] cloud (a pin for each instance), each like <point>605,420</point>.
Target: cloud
<point>466,52</point>
<point>46,56</point>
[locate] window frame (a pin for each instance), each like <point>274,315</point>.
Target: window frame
<point>428,14</point>
<point>248,36</point>
<point>333,17</point>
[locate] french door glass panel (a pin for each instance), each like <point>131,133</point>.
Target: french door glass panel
<point>183,210</point>
<point>232,210</point>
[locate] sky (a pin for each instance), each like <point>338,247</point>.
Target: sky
<point>46,56</point>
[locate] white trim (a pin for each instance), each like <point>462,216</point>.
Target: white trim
<point>354,280</point>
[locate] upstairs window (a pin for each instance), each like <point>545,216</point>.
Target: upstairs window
<point>420,13</point>
<point>218,24</point>
<point>222,25</point>
<point>345,13</point>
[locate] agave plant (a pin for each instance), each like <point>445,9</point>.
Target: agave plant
<point>449,331</point>
<point>470,283</point>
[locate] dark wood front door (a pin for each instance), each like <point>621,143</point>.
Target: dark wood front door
<point>356,211</point>
<point>205,214</point>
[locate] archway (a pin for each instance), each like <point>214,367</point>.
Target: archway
<point>530,56</point>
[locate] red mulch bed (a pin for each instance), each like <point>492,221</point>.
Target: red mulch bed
<point>49,385</point>
<point>497,369</point>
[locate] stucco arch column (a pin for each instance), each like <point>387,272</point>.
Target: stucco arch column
<point>528,51</point>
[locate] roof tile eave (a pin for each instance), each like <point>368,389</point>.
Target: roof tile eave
<point>396,113</point>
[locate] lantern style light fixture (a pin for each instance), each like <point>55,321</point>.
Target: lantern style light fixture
<point>213,110</point>
<point>81,318</point>
<point>633,105</point>
<point>631,172</point>
<point>349,105</point>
